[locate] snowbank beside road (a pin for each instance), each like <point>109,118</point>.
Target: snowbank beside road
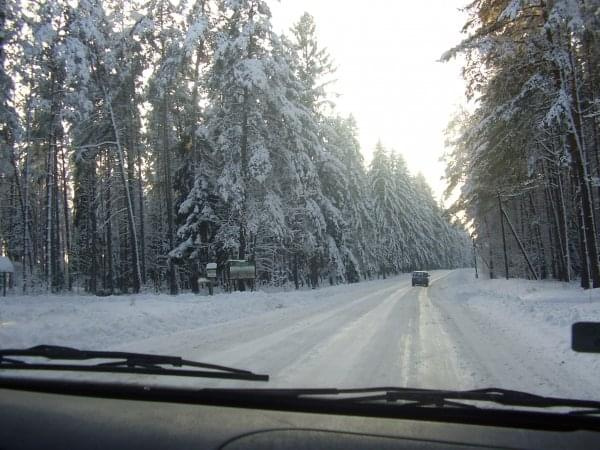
<point>523,304</point>
<point>531,322</point>
<point>91,322</point>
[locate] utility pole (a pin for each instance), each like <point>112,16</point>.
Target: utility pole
<point>503,235</point>
<point>521,247</point>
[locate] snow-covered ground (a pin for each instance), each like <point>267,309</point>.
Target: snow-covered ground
<point>458,333</point>
<point>525,333</point>
<point>86,321</point>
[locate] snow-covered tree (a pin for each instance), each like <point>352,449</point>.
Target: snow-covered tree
<point>122,121</point>
<point>533,137</point>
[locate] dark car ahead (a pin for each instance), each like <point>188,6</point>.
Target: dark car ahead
<point>420,278</point>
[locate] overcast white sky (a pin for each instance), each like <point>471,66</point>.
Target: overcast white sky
<point>386,52</point>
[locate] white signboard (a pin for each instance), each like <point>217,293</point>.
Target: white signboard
<point>211,270</point>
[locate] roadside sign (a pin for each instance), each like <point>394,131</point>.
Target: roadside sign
<point>211,270</point>
<point>241,269</point>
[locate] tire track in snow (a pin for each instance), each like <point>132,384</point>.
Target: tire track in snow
<point>274,351</point>
<point>336,360</point>
<point>368,351</point>
<point>434,357</point>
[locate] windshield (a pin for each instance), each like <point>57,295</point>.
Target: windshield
<point>336,195</point>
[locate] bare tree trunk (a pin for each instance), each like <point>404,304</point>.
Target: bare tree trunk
<point>56,247</point>
<point>27,244</point>
<point>587,216</point>
<point>109,250</point>
<point>491,256</point>
<point>137,277</point>
<point>168,189</point>
<point>134,148</point>
<point>93,244</point>
<point>579,151</point>
<point>23,206</point>
<point>554,236</point>
<point>244,168</point>
<point>503,236</point>
<point>537,237</point>
<point>27,266</point>
<point>49,203</point>
<point>295,272</point>
<point>67,219</point>
<point>142,215</point>
<point>585,267</point>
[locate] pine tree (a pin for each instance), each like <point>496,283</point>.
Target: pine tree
<point>121,122</point>
<point>529,148</point>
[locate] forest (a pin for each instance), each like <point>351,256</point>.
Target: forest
<point>141,140</point>
<point>526,158</point>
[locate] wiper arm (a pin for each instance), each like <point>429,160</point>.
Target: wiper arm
<point>518,398</point>
<point>120,362</point>
<point>505,397</point>
<point>441,398</point>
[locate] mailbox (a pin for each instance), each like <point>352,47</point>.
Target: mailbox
<point>211,270</point>
<point>240,269</point>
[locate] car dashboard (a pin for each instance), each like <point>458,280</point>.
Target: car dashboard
<point>33,420</point>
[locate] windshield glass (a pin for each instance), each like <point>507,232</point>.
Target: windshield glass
<point>333,194</point>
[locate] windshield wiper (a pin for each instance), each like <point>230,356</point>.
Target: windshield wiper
<point>119,362</point>
<point>505,397</point>
<point>411,398</point>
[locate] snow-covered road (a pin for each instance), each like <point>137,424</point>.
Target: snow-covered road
<point>391,335</point>
<point>459,333</point>
<point>384,336</point>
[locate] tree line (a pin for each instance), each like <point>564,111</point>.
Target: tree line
<point>141,140</point>
<point>527,158</point>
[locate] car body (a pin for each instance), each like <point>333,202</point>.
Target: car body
<point>75,414</point>
<point>420,278</point>
<point>140,412</point>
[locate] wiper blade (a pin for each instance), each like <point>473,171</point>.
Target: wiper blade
<point>119,362</point>
<point>412,397</point>
<point>505,397</point>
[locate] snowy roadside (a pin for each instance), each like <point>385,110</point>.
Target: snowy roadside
<point>535,318</point>
<point>92,322</point>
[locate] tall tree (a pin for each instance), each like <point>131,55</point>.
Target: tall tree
<point>530,140</point>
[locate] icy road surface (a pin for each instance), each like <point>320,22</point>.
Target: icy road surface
<point>393,334</point>
<point>460,333</point>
